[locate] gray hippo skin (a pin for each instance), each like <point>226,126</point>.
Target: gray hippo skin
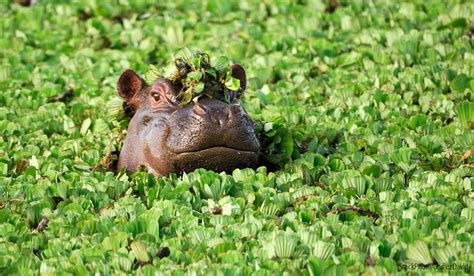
<point>167,137</point>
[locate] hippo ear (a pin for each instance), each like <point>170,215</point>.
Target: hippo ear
<point>238,72</point>
<point>129,84</point>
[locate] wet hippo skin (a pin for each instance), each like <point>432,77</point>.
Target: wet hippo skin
<point>166,137</point>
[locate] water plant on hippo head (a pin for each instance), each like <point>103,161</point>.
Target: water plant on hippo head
<point>197,75</point>
<point>188,118</point>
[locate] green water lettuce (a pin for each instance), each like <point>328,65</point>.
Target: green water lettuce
<point>364,112</point>
<point>198,75</point>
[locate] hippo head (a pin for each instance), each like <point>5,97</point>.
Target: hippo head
<point>166,136</point>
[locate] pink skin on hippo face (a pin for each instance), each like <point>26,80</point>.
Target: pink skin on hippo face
<point>167,137</point>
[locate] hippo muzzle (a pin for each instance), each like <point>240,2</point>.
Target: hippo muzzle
<point>167,137</point>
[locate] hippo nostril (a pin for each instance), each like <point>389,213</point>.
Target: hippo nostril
<point>199,110</point>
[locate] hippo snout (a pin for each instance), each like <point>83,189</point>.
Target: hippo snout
<point>212,123</point>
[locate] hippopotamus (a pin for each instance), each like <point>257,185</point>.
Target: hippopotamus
<point>166,136</point>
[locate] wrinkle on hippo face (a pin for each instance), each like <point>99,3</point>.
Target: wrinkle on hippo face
<point>167,137</point>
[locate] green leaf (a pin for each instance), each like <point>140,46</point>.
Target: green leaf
<point>402,158</point>
<point>153,74</point>
<point>285,246</point>
<point>357,182</point>
<point>140,251</point>
<point>199,88</point>
<point>460,83</point>
<point>373,111</point>
<point>220,63</point>
<point>336,270</point>
<point>267,127</point>
<point>233,84</point>
<point>85,126</point>
<point>382,185</point>
<point>232,257</point>
<point>68,125</point>
<point>323,250</point>
<point>186,96</point>
<point>3,169</point>
<point>456,23</point>
<point>114,108</point>
<point>211,71</point>
<point>465,112</point>
<point>373,170</point>
<point>195,75</point>
<point>5,72</point>
<point>315,266</point>
<point>443,255</point>
<point>100,126</point>
<point>174,36</point>
<point>419,253</point>
<point>196,63</point>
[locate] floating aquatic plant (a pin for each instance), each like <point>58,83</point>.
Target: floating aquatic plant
<point>197,74</point>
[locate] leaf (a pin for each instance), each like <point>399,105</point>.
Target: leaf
<point>465,112</point>
<point>336,270</point>
<point>385,248</point>
<point>323,250</point>
<point>153,74</point>
<point>3,169</point>
<point>233,84</point>
<point>285,246</point>
<point>211,71</point>
<point>402,158</point>
<point>199,88</point>
<point>151,221</point>
<point>287,144</point>
<point>187,54</point>
<point>443,255</point>
<point>460,83</point>
<point>377,107</point>
<point>373,170</point>
<point>220,63</point>
<point>315,266</point>
<point>196,63</point>
<point>419,253</point>
<point>357,182</point>
<point>68,125</point>
<point>140,251</point>
<point>100,126</point>
<point>147,270</point>
<point>456,23</point>
<point>5,73</point>
<point>382,185</point>
<point>174,36</point>
<point>267,127</point>
<point>269,209</point>
<point>85,126</point>
<point>114,109</point>
<point>195,75</point>
<point>186,96</point>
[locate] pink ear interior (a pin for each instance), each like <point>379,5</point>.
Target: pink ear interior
<point>129,84</point>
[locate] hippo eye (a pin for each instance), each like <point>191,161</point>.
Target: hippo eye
<point>156,96</point>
